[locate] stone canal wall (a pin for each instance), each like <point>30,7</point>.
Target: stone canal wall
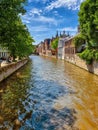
<point>93,68</point>
<point>11,68</point>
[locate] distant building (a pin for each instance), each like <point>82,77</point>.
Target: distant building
<point>47,43</point>
<point>70,49</point>
<point>61,47</point>
<point>61,44</point>
<point>4,53</point>
<point>44,48</point>
<point>39,48</point>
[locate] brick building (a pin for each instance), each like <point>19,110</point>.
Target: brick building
<point>70,49</point>
<point>47,43</point>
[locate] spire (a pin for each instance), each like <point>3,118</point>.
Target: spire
<point>64,35</point>
<point>57,34</point>
<point>68,34</point>
<point>60,34</point>
<point>64,32</point>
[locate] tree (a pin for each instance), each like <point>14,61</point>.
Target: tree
<point>54,44</point>
<point>78,40</point>
<point>9,15</point>
<point>34,49</point>
<point>13,33</point>
<point>88,18</point>
<point>22,46</point>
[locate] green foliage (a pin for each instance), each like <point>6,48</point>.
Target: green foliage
<point>89,55</point>
<point>54,44</point>
<point>13,33</point>
<point>78,40</point>
<point>88,18</point>
<point>34,48</point>
<point>96,55</point>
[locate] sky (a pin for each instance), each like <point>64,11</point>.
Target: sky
<point>45,17</point>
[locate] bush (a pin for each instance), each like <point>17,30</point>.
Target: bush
<point>78,40</point>
<point>87,55</point>
<point>96,55</point>
<point>54,44</point>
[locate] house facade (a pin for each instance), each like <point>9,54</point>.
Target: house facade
<point>4,53</point>
<point>61,47</point>
<point>44,48</point>
<point>47,43</point>
<point>70,49</point>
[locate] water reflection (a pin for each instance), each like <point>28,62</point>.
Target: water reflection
<point>48,94</point>
<point>45,116</point>
<point>12,103</point>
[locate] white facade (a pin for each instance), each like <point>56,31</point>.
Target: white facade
<point>4,52</point>
<point>61,47</point>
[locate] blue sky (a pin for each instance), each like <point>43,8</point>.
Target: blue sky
<point>44,17</point>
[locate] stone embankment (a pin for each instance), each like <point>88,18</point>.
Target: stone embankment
<point>76,60</point>
<point>93,68</point>
<point>9,69</point>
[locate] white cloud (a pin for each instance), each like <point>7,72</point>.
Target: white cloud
<point>25,19</point>
<point>39,28</point>
<point>70,4</point>
<point>46,19</point>
<point>56,13</point>
<point>43,1</point>
<point>35,11</point>
<point>40,19</point>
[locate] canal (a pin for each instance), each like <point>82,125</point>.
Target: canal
<point>49,94</point>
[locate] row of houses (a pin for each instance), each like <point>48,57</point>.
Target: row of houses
<point>65,50</point>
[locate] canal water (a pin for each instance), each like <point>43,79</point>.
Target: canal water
<point>49,94</point>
